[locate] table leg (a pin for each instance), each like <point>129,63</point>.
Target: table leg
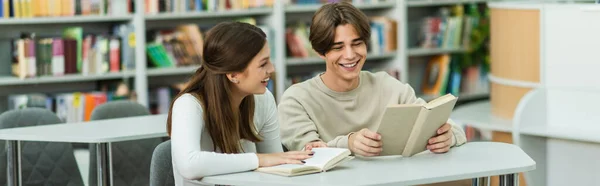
<point>14,163</point>
<point>509,180</point>
<point>104,160</point>
<point>476,181</point>
<point>481,181</point>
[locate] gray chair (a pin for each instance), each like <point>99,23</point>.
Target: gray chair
<point>130,159</point>
<point>42,163</point>
<point>161,168</point>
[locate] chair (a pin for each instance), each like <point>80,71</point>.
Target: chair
<point>161,168</point>
<point>42,163</point>
<point>130,159</point>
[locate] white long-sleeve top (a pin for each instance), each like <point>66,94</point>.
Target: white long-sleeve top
<point>192,148</point>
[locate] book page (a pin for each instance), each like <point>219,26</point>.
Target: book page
<point>426,127</point>
<point>323,156</point>
<point>395,127</point>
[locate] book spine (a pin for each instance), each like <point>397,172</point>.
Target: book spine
<point>58,57</point>
<point>414,134</point>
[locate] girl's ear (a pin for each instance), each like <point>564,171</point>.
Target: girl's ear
<point>233,77</point>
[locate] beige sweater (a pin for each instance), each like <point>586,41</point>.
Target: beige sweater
<point>311,111</point>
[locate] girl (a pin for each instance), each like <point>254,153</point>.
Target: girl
<point>216,123</point>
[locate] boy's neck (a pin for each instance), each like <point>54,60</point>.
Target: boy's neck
<point>338,84</point>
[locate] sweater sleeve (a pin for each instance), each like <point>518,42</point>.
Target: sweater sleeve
<point>408,96</point>
<point>191,162</point>
<point>269,131</point>
<point>297,129</point>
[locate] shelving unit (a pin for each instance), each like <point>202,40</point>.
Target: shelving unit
<point>65,20</point>
<point>188,70</point>
<point>423,3</point>
<point>204,15</point>
<point>274,17</point>
<point>312,8</point>
<point>5,81</point>
<point>414,52</point>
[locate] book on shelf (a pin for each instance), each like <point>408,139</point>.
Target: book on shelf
<point>180,6</point>
<point>183,45</point>
<point>444,75</point>
<point>71,53</point>
<point>324,159</point>
<point>72,106</point>
<point>65,8</point>
<point>450,28</point>
<point>436,75</point>
<point>407,128</point>
<point>319,2</point>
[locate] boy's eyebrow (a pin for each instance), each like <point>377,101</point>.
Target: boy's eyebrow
<point>354,40</point>
<point>265,58</point>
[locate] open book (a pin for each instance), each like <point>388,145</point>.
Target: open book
<point>322,160</point>
<point>406,128</point>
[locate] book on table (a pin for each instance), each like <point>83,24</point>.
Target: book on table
<point>323,160</point>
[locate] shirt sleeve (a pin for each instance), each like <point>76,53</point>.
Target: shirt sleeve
<point>192,163</point>
<point>409,97</point>
<point>269,131</point>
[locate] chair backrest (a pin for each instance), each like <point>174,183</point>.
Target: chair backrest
<point>42,163</point>
<point>131,159</point>
<point>161,168</point>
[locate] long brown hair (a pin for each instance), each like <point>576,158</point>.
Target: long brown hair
<point>228,47</point>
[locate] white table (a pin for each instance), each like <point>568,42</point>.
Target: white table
<point>101,132</point>
<point>471,161</point>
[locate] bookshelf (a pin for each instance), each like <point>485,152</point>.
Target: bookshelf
<point>205,15</point>
<point>423,3</point>
<point>313,8</point>
<point>406,58</point>
<point>69,78</point>
<point>414,52</point>
<point>189,70</point>
<point>66,20</point>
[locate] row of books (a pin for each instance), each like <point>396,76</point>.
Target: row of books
<point>55,8</point>
<point>73,106</point>
<point>182,46</point>
<point>451,28</point>
<point>180,6</point>
<point>444,75</point>
<point>383,38</point>
<point>72,53</point>
<point>309,2</point>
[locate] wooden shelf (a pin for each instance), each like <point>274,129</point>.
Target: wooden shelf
<point>422,3</point>
<point>314,7</point>
<point>433,51</point>
<point>11,80</point>
<point>188,70</point>
<point>204,15</point>
<point>64,20</point>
